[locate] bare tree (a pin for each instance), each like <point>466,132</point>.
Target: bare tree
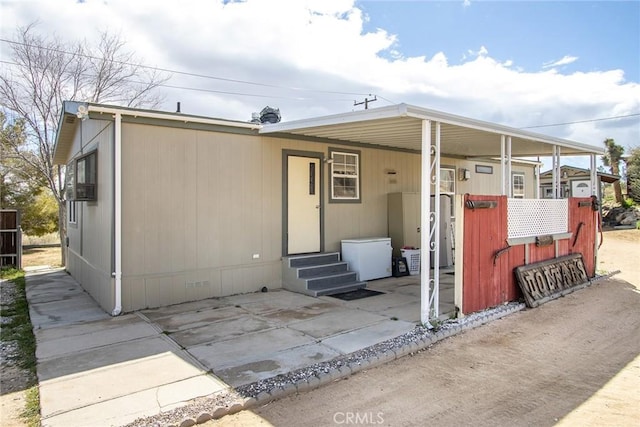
<point>45,71</point>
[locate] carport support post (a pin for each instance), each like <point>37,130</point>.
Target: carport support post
<point>596,190</point>
<point>429,224</point>
<point>425,214</point>
<point>595,185</point>
<point>508,182</point>
<point>557,179</point>
<point>503,191</point>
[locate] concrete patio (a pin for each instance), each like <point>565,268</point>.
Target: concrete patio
<point>112,370</point>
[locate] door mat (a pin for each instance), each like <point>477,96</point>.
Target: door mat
<point>357,294</point>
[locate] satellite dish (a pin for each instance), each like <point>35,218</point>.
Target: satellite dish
<point>270,115</point>
<point>82,109</point>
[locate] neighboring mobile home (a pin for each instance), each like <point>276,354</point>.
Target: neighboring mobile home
<point>574,182</point>
<point>165,208</point>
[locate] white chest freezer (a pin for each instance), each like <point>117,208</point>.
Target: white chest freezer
<point>370,257</point>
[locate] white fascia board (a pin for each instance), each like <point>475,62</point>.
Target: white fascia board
<point>497,160</point>
<point>170,116</point>
<point>298,126</point>
<point>466,122</point>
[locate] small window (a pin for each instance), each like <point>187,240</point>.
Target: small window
<point>447,181</point>
<point>345,176</point>
<point>518,186</point>
<point>86,177</point>
<point>71,211</point>
<point>70,181</point>
<point>484,169</point>
<point>448,184</point>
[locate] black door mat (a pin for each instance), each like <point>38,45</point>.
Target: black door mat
<point>357,294</point>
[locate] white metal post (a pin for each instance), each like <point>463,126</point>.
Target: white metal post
<point>425,213</point>
<point>596,189</point>
<point>502,171</point>
<point>558,173</point>
<point>434,228</point>
<point>508,183</point>
<point>554,178</point>
<point>595,185</point>
<point>537,180</point>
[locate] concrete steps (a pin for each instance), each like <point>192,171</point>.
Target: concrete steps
<point>318,274</point>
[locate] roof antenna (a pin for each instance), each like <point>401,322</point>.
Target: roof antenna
<point>366,101</point>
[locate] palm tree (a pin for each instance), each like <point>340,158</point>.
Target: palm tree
<point>612,159</point>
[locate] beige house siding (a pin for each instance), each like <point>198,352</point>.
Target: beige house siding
<point>89,254</point>
<point>489,184</point>
<point>197,206</point>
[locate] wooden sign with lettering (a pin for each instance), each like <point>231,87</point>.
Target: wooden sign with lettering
<point>543,281</point>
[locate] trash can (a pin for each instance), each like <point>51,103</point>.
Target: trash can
<point>399,267</point>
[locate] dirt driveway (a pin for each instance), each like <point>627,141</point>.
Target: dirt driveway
<point>572,361</point>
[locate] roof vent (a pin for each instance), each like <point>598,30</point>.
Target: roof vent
<point>270,115</point>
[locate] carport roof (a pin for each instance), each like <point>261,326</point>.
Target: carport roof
<point>400,125</point>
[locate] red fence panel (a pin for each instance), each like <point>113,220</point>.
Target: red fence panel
<point>583,223</point>
<point>488,278</point>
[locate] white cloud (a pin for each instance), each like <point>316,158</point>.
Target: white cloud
<point>320,46</point>
<point>565,60</point>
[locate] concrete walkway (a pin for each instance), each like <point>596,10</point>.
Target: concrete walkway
<point>99,370</point>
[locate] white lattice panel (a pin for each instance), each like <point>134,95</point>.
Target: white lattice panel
<point>537,217</point>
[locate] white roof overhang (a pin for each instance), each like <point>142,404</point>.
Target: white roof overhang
<point>399,126</point>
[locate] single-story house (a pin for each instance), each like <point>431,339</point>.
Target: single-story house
<point>574,182</point>
<point>165,207</point>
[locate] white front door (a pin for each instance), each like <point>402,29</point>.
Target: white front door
<point>303,204</point>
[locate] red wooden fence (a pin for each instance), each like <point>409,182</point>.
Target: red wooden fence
<point>583,241</point>
<point>489,280</point>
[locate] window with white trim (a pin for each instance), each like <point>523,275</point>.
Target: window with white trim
<point>448,185</point>
<point>345,176</point>
<point>448,181</point>
<point>517,186</point>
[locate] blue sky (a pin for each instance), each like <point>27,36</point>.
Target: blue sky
<point>601,35</point>
<point>516,63</point>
